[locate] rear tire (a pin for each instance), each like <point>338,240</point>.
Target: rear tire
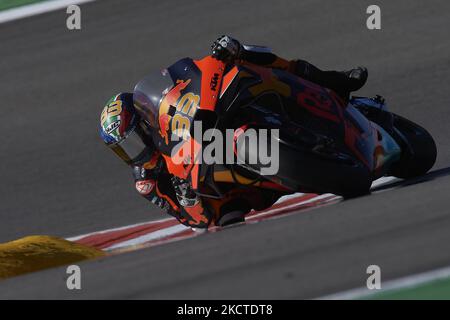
<point>418,149</point>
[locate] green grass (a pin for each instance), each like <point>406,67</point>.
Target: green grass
<point>434,290</point>
<point>8,4</point>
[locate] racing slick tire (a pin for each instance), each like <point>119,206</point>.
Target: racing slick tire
<point>418,149</point>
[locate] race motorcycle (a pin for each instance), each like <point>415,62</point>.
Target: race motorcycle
<point>325,144</point>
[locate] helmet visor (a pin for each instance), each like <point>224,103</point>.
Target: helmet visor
<point>130,148</point>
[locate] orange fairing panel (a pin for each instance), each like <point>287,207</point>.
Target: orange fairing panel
<point>212,74</point>
<point>227,79</point>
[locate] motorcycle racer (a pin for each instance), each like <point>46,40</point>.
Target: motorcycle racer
<point>123,130</point>
<point>228,49</point>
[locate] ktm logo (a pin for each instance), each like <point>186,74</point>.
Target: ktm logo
<point>214,81</point>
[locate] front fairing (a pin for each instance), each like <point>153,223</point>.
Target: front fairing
<point>156,98</point>
<point>169,101</point>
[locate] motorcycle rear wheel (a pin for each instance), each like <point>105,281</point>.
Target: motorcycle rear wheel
<point>418,149</point>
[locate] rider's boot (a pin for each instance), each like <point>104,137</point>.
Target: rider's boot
<point>343,82</point>
<point>357,78</point>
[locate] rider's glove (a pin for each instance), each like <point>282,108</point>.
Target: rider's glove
<point>226,49</point>
<point>185,195</point>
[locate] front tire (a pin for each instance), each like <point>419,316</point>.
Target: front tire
<point>232,217</point>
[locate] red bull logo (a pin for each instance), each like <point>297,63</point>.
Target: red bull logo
<point>170,99</point>
<point>164,121</point>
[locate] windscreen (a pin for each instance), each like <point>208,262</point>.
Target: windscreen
<point>148,94</point>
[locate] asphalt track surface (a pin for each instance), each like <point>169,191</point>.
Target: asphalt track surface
<point>58,178</point>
